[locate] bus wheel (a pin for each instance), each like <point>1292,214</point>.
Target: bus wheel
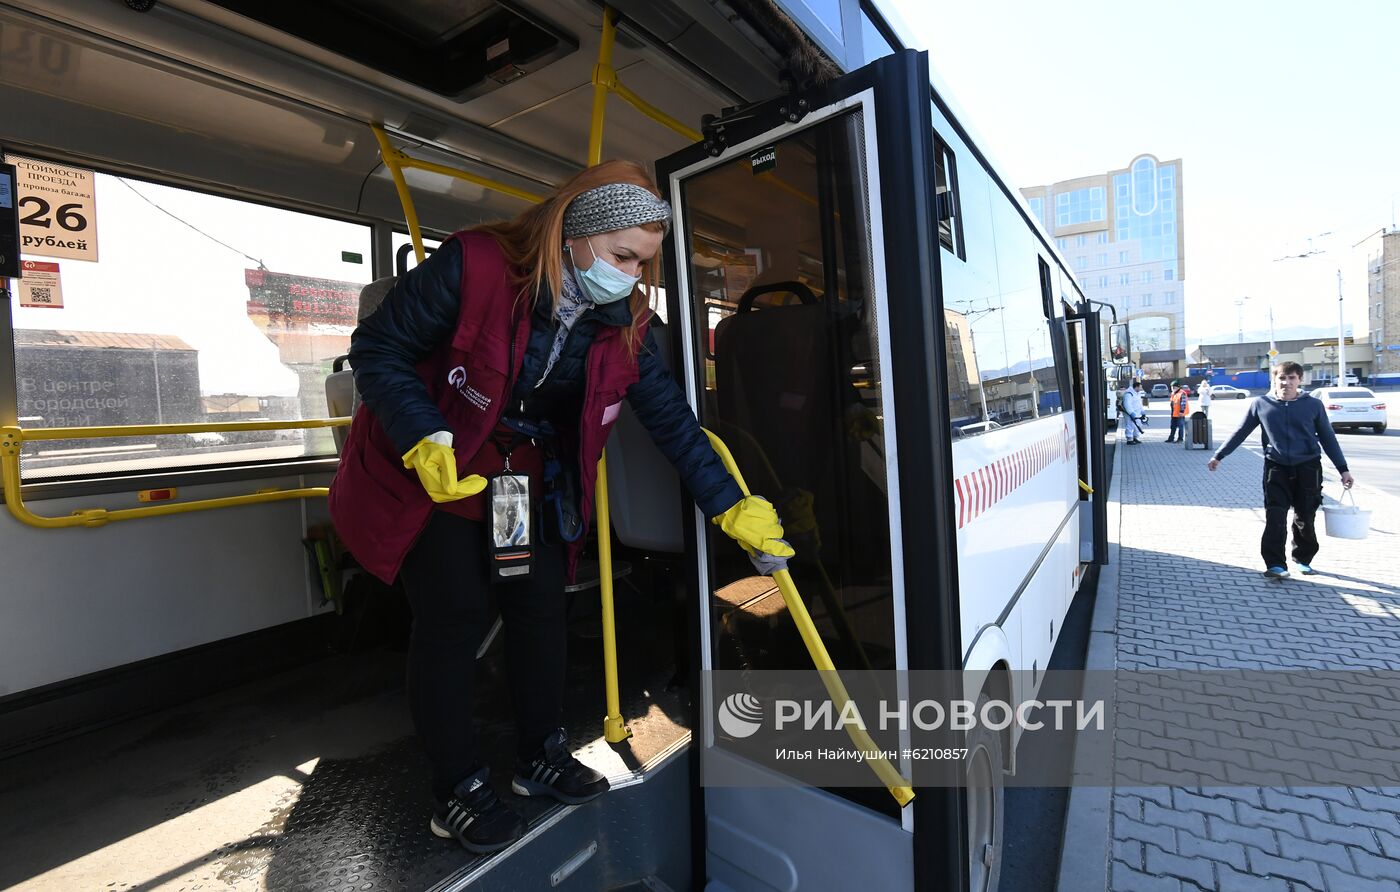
<point>986,801</point>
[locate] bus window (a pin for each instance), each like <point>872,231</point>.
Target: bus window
<point>198,308</point>
<point>1005,351</point>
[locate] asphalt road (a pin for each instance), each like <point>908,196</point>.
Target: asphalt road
<point>1374,459</point>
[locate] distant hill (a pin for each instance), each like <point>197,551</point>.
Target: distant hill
<point>1285,333</point>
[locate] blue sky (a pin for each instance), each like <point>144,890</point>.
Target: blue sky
<point>1284,115</point>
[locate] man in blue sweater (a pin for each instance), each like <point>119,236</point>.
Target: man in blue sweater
<point>1294,426</point>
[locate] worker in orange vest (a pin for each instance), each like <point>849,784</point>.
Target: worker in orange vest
<point>1181,410</point>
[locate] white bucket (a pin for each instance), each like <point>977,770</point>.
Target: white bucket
<point>1346,521</point>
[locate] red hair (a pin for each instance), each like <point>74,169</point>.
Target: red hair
<point>533,242</point>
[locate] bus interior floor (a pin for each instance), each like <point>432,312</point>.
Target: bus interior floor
<point>309,779</point>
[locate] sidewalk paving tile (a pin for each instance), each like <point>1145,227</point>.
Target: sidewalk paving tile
<point>1190,597</point>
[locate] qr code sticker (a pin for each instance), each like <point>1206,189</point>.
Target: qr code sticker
<point>40,295</point>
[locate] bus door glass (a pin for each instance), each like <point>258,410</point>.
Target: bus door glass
<point>801,244</point>
<point>783,302</point>
<point>780,283</point>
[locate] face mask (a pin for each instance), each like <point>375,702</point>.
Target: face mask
<point>603,282</point>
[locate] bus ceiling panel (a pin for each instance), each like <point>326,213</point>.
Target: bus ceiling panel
<point>724,48</point>
<point>197,40</point>
<point>454,48</point>
<point>443,205</point>
<point>319,173</point>
<point>556,97</point>
<point>627,133</point>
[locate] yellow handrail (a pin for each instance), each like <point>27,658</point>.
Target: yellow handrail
<point>899,788</point>
<point>156,430</point>
<point>393,158</point>
<point>396,160</point>
<point>605,81</point>
<point>12,441</point>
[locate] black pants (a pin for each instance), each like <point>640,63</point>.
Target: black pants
<point>1290,486</point>
<point>445,578</point>
<point>1178,429</point>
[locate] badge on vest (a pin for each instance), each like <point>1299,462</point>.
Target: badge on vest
<point>512,554</point>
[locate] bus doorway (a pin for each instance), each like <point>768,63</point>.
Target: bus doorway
<point>1086,365</point>
<point>781,269</point>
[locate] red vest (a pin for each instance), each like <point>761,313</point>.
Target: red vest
<point>378,506</point>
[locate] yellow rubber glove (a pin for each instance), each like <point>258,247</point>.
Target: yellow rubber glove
<point>436,465</point>
<point>754,524</point>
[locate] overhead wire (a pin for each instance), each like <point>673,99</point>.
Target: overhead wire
<point>178,219</point>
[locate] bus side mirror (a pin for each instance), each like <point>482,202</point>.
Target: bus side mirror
<point>1118,343</point>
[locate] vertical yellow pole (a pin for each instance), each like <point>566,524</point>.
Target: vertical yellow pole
<point>615,730</point>
<point>602,76</point>
<point>391,160</point>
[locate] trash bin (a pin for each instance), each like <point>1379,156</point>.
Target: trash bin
<point>1199,431</point>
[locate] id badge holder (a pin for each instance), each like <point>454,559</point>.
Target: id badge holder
<point>511,549</point>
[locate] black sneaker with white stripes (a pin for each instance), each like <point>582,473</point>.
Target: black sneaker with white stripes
<point>553,771</point>
<point>476,818</point>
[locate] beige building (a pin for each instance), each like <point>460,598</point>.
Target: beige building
<point>1317,356</point>
<point>1383,305</point>
<point>1121,233</point>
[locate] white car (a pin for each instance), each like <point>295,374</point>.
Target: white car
<point>980,427</point>
<point>1227,392</point>
<point>1353,407</point>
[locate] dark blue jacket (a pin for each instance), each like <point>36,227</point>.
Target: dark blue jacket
<point>1292,431</point>
<point>421,311</point>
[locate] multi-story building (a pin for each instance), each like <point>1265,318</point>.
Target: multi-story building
<point>1121,232</point>
<point>1383,307</point>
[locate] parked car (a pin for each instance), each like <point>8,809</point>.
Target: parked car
<point>1353,407</point>
<point>978,427</point>
<point>1227,392</point>
<point>1161,390</point>
<point>1331,381</point>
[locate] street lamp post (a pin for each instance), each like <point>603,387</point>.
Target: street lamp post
<point>1239,307</point>
<point>1341,336</point>
<point>1273,346</point>
<point>1341,324</point>
<point>972,316</point>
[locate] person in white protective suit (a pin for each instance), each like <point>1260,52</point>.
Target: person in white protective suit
<point>1135,416</point>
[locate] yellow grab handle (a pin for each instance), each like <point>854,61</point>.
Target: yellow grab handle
<point>1086,487</point>
<point>899,788</point>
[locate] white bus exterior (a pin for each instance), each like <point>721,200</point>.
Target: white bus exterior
<point>240,202</point>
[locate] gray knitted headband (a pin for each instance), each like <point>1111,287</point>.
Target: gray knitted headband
<point>614,206</point>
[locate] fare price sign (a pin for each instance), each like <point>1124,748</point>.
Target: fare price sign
<point>57,209</point>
